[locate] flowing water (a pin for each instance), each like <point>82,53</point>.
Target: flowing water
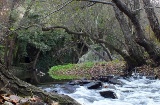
<point>134,92</point>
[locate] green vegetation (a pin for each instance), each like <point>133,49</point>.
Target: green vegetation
<point>87,70</point>
<point>70,71</point>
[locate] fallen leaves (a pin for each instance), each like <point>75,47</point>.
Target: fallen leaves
<point>7,99</point>
<point>16,100</point>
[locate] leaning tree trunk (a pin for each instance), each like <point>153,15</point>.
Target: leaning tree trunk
<point>9,81</point>
<point>152,49</point>
<point>153,20</point>
<point>134,50</point>
<point>129,60</point>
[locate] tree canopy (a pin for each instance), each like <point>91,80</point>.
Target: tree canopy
<point>44,33</point>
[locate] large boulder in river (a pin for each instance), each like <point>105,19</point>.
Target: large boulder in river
<point>108,94</point>
<point>94,85</point>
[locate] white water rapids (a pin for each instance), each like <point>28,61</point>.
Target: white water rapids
<point>133,92</point>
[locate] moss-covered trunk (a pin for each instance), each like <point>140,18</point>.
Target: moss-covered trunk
<point>19,87</point>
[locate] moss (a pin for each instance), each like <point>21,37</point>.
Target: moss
<point>68,71</point>
<point>87,69</point>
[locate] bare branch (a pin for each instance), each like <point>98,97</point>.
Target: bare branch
<point>98,1</point>
<point>96,52</point>
<point>65,4</point>
<point>63,27</point>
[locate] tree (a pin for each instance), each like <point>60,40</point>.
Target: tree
<point>136,39</point>
<point>135,52</point>
<point>9,34</point>
<point>151,48</point>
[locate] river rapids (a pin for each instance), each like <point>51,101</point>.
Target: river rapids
<point>139,91</point>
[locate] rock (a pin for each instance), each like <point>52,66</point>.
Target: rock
<point>80,82</point>
<point>94,85</point>
<point>151,77</point>
<point>110,86</point>
<point>75,82</point>
<point>54,91</point>
<point>108,94</point>
<point>115,81</point>
<point>83,82</point>
<point>105,78</point>
<point>69,88</point>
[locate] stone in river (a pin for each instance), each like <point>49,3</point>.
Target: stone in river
<point>94,85</point>
<point>108,94</point>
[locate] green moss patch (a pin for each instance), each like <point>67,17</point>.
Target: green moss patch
<point>87,70</point>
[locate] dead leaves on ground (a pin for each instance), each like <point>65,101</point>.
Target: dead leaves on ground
<point>7,99</point>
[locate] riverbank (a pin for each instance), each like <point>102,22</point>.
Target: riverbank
<point>78,71</point>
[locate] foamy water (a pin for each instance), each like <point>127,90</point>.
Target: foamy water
<point>133,92</point>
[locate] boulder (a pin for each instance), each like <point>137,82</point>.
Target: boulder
<point>68,88</point>
<point>115,81</point>
<point>94,85</point>
<point>108,94</point>
<point>105,78</point>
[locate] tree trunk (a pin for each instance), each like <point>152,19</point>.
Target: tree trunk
<point>35,79</point>
<point>20,87</point>
<point>153,20</point>
<point>152,49</point>
<point>130,61</point>
<point>107,51</point>
<point>134,50</point>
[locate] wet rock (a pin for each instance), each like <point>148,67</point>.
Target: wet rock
<point>94,85</point>
<point>108,94</point>
<point>80,82</point>
<point>151,77</point>
<point>54,91</point>
<point>85,82</point>
<point>68,88</point>
<point>137,77</point>
<point>75,82</point>
<point>110,86</point>
<point>115,81</point>
<point>105,78</point>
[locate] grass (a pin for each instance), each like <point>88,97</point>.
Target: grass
<point>69,71</point>
<point>87,70</point>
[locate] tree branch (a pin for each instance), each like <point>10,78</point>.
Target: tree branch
<point>153,20</point>
<point>98,1</point>
<point>65,4</point>
<point>63,27</point>
<point>96,52</point>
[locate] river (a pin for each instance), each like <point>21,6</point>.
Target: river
<point>134,92</point>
